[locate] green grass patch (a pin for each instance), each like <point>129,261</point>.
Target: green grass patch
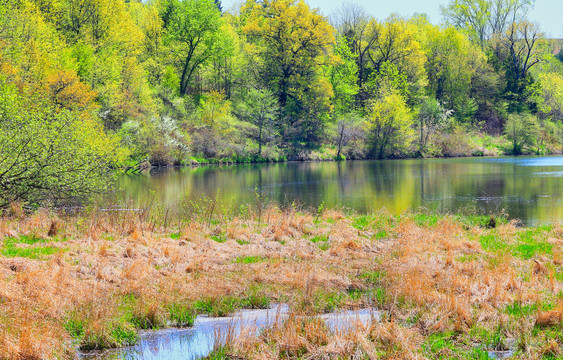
<point>426,220</point>
<point>74,325</point>
<point>321,241</point>
<point>219,353</point>
<point>489,339</point>
<point>12,249</point>
<point>328,301</point>
<point>217,307</point>
<point>180,314</point>
<point>529,250</point>
<point>255,298</point>
<point>440,345</point>
<point>361,222</point>
<point>467,258</point>
<point>324,246</point>
<point>381,234</point>
<point>519,310</point>
<point>116,332</point>
<point>250,259</point>
<point>221,238</point>
<point>372,277</point>
<point>319,238</point>
<point>526,244</point>
<point>124,335</point>
<point>533,241</point>
<point>492,242</point>
<point>357,294</point>
<point>379,295</point>
<point>30,253</point>
<point>482,221</point>
<point>446,346</point>
<point>374,280</point>
<point>30,240</point>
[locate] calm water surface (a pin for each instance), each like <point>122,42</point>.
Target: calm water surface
<point>526,188</point>
<point>198,341</point>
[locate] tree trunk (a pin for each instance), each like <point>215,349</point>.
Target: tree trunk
<point>260,138</point>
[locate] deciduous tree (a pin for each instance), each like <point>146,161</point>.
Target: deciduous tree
<point>432,118</point>
<point>389,126</point>
<point>550,97</point>
<point>348,129</point>
<point>522,51</point>
<point>193,28</point>
<point>260,107</point>
<point>522,130</point>
<point>293,42</point>
<point>484,20</point>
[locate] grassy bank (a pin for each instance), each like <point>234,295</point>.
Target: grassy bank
<point>449,286</point>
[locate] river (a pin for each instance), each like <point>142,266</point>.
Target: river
<point>526,188</point>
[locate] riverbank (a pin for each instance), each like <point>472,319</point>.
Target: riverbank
<point>449,286</point>
<point>466,145</point>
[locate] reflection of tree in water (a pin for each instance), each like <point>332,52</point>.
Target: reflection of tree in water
<point>307,184</point>
<point>390,184</point>
<point>451,185</point>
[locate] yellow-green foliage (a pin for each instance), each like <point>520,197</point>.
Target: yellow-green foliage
<point>550,99</point>
<point>389,125</point>
<point>293,42</point>
<point>50,154</point>
<point>171,80</point>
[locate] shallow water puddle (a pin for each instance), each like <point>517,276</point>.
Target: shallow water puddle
<point>500,354</point>
<point>198,341</point>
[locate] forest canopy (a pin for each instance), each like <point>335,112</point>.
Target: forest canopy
<point>92,85</point>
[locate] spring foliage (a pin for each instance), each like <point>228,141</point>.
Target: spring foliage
<point>178,81</point>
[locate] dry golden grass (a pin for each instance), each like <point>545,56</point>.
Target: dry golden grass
<point>108,273</point>
<point>451,291</point>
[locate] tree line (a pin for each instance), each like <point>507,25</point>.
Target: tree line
<point>87,85</point>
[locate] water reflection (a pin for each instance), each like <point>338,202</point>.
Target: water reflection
<point>528,188</point>
<point>198,341</point>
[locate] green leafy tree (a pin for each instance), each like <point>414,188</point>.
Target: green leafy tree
<point>452,63</point>
<point>389,126</point>
<point>550,137</point>
<point>396,49</point>
<point>388,77</point>
<point>343,75</point>
<point>486,90</point>
<point>550,97</point>
<point>292,42</point>
<point>215,111</point>
<point>361,35</point>
<point>522,130</point>
<point>260,108</point>
<point>193,30</point>
<point>522,50</point>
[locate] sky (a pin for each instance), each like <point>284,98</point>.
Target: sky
<point>548,13</point>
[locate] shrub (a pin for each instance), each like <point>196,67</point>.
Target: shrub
<point>49,154</point>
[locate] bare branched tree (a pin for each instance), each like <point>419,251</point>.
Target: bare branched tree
<point>360,32</point>
<point>522,41</point>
